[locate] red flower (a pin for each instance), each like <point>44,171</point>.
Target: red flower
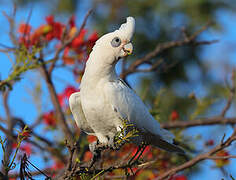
<point>179,177</point>
<point>24,29</point>
<point>66,94</point>
<point>69,90</point>
<point>66,58</point>
<point>26,134</point>
<point>78,41</point>
<point>57,165</point>
<point>210,142</point>
<point>174,115</point>
<point>57,29</point>
<point>164,164</point>
<point>14,145</point>
<point>61,99</point>
<point>91,138</point>
<point>50,19</point>
<point>49,119</point>
<point>25,41</point>
<point>92,39</point>
<point>27,149</point>
<point>87,156</point>
<point>72,21</point>
<point>222,162</point>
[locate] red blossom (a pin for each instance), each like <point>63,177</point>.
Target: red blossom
<point>210,142</point>
<point>14,145</point>
<point>24,28</point>
<point>91,138</point>
<point>49,119</point>
<point>179,177</point>
<point>92,39</point>
<point>61,98</point>
<point>78,41</point>
<point>24,40</point>
<point>49,36</point>
<point>69,90</point>
<point>66,94</point>
<point>66,58</point>
<point>87,156</point>
<point>56,29</point>
<point>50,19</point>
<point>27,149</point>
<point>174,115</point>
<point>26,134</point>
<point>164,164</point>
<point>57,165</point>
<point>222,162</point>
<point>72,21</point>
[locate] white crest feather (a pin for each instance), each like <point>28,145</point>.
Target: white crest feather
<point>128,28</point>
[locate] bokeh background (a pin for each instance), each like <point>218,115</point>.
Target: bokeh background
<point>199,70</point>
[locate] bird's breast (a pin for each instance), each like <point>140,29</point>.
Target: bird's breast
<point>97,109</point>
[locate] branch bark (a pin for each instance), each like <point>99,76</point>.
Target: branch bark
<point>199,122</point>
<point>164,46</point>
<point>199,158</point>
<point>60,115</point>
<point>66,43</point>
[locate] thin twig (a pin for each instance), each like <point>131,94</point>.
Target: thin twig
<point>222,157</point>
<point>198,158</point>
<point>66,43</point>
<point>60,115</point>
<point>164,46</point>
<point>231,96</point>
<point>199,122</point>
<point>40,171</point>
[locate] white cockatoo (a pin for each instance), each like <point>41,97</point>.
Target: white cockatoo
<point>104,100</point>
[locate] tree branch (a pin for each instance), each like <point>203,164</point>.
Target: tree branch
<point>199,122</point>
<point>164,46</point>
<point>60,115</point>
<point>199,158</point>
<point>231,96</point>
<point>66,43</point>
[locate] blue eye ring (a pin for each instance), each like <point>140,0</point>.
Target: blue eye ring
<point>116,42</point>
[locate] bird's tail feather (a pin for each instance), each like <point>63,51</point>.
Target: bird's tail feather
<point>167,146</point>
<point>167,135</point>
<point>163,142</point>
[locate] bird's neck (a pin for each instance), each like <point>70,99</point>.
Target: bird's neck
<point>97,69</point>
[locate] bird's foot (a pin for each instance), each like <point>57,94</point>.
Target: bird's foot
<point>93,147</point>
<point>114,145</point>
<point>96,148</point>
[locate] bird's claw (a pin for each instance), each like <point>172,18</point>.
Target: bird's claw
<point>114,145</point>
<point>96,151</point>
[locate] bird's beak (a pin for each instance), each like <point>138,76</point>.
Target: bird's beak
<point>128,48</point>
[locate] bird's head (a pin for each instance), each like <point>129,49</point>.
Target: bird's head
<point>117,44</point>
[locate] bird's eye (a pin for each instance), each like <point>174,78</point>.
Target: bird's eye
<point>116,42</point>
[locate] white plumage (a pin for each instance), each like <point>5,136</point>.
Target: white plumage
<point>105,100</point>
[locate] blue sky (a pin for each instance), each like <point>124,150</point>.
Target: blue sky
<point>20,102</point>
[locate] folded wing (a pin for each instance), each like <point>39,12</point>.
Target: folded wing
<point>131,107</point>
<point>78,114</point>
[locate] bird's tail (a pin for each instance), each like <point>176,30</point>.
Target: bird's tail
<point>160,143</point>
<point>165,141</point>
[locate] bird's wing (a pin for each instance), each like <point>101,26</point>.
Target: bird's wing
<point>78,114</point>
<point>129,106</point>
